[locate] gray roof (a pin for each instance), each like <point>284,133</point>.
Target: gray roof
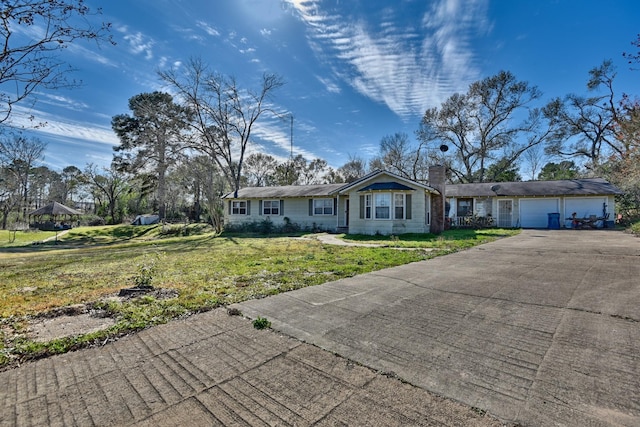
<point>565,187</point>
<point>379,172</point>
<point>319,190</point>
<point>54,209</point>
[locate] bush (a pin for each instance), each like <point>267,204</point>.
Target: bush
<point>264,227</point>
<point>93,220</point>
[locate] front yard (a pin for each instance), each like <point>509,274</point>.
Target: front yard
<point>190,268</point>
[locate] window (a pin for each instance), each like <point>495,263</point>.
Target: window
<point>465,207</point>
<point>239,207</point>
<point>383,205</point>
<point>323,206</point>
<point>398,206</point>
<point>271,207</point>
<point>367,205</point>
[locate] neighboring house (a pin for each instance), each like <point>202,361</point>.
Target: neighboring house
<point>380,202</point>
<point>385,203</point>
<point>528,204</point>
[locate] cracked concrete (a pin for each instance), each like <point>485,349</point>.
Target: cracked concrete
<point>537,329</point>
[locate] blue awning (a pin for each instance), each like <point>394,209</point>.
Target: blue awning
<point>378,186</point>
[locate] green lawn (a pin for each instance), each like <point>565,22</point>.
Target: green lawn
<point>22,238</point>
<point>204,270</point>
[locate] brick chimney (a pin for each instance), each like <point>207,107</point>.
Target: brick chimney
<point>437,177</point>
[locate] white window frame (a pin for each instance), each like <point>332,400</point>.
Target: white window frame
<point>403,205</point>
<point>372,205</point>
<point>268,207</point>
<point>367,206</point>
<point>322,207</point>
<point>378,205</point>
<point>237,206</point>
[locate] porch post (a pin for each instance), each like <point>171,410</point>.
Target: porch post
<point>338,211</point>
<point>437,177</point>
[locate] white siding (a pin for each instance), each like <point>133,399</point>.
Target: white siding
<point>296,209</point>
<point>417,224</point>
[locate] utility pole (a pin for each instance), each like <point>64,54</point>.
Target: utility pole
<point>290,163</point>
<point>291,137</point>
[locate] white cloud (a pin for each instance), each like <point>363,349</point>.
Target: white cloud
<point>265,32</point>
<point>328,84</point>
<point>61,101</point>
<point>278,132</point>
<point>408,68</point>
<point>208,28</point>
<point>57,126</point>
<point>139,43</point>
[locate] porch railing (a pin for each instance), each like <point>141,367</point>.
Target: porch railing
<point>473,221</point>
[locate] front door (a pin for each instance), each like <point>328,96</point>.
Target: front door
<point>505,213</point>
<point>346,212</point>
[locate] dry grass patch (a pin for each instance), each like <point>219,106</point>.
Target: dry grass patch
<point>190,268</point>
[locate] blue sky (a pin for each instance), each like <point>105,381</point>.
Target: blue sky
<point>355,70</point>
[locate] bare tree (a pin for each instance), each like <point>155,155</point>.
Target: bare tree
<point>355,168</point>
<point>224,114</point>
<point>399,156</point>
<point>587,123</point>
<point>481,128</point>
<point>19,154</point>
<point>534,158</point>
<point>33,33</point>
<point>108,184</point>
<point>259,168</point>
<point>313,172</point>
<point>201,177</point>
<point>10,195</point>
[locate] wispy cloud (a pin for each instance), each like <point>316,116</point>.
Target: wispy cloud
<point>408,67</point>
<point>61,101</point>
<point>57,126</point>
<point>208,28</point>
<point>330,85</point>
<point>278,133</point>
<point>138,42</point>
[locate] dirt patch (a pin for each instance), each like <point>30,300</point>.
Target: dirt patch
<point>47,329</point>
<point>80,319</point>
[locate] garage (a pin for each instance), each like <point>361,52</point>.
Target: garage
<point>533,212</point>
<point>584,206</point>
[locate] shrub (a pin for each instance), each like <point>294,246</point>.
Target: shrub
<point>264,227</point>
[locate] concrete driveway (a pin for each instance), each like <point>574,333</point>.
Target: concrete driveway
<point>539,329</point>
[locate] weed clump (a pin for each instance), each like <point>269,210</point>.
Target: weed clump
<point>261,323</point>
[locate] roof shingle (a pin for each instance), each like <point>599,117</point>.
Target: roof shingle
<point>567,187</point>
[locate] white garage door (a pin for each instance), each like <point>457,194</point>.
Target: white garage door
<point>533,212</point>
<point>584,207</point>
